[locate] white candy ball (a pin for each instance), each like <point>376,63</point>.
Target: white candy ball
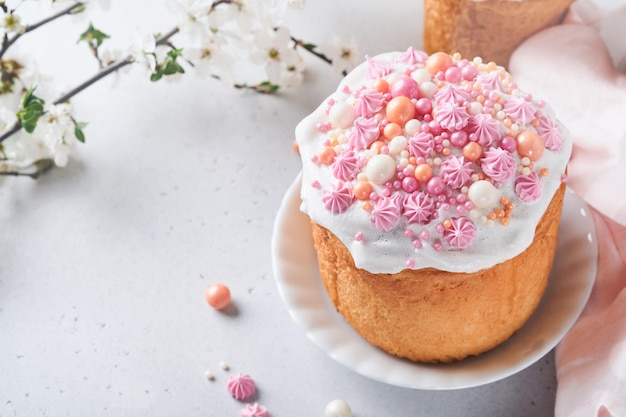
<point>397,144</point>
<point>428,89</point>
<point>412,127</point>
<point>475,108</point>
<point>482,194</point>
<point>421,75</point>
<point>380,169</point>
<point>341,115</point>
<point>338,408</point>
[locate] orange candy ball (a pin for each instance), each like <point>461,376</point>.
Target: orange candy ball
<point>400,110</point>
<point>472,151</point>
<point>530,145</point>
<point>392,130</point>
<point>439,61</point>
<point>423,172</point>
<point>327,156</point>
<point>362,190</point>
<point>217,296</point>
<point>381,85</point>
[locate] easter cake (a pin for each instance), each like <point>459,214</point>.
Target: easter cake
<point>434,185</point>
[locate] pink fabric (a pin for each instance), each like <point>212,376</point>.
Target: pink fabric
<point>573,70</point>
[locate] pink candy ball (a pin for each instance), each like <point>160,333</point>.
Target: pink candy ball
<point>407,87</point>
<point>423,106</point>
<point>435,186</point>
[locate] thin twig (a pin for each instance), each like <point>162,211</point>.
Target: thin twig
<point>6,44</point>
<point>162,40</point>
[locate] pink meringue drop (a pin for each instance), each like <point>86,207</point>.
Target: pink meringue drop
<point>240,386</point>
<point>253,410</point>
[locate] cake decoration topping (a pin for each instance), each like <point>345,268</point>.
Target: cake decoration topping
<point>427,146</point>
<point>217,296</point>
<point>338,408</point>
<point>241,386</point>
<point>338,199</point>
<point>253,410</point>
<point>460,233</point>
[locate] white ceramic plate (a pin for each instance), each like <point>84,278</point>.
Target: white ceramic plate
<point>297,277</point>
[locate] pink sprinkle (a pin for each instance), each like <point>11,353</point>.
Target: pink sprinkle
<point>469,205</point>
<point>315,159</point>
<point>437,246</point>
<point>461,198</point>
<point>453,75</point>
<point>410,184</point>
<point>373,196</point>
<point>326,142</point>
<point>439,228</point>
<point>541,104</point>
<point>460,208</point>
<point>316,184</point>
<point>408,233</point>
<point>330,102</point>
<point>359,236</point>
<point>425,235</point>
<point>509,144</point>
<point>386,192</point>
<point>468,72</point>
<point>384,150</point>
<point>445,206</point>
<point>345,89</point>
<point>564,178</point>
<point>417,244</point>
<point>410,263</point>
<point>397,185</point>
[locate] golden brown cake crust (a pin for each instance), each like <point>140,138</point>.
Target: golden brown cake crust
<point>491,29</point>
<point>436,316</point>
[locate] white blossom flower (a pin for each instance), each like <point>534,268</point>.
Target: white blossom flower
<point>344,55</point>
<point>192,15</point>
<point>11,23</point>
<point>7,118</point>
<point>296,4</point>
<point>292,74</point>
<point>143,51</point>
<point>210,58</point>
<point>269,13</point>
<point>274,51</point>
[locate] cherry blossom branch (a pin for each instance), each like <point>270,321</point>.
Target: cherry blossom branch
<point>162,40</point>
<point>8,42</point>
<point>311,49</point>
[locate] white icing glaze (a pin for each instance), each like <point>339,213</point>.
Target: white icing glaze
<point>390,252</point>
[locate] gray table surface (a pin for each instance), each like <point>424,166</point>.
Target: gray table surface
<point>104,264</point>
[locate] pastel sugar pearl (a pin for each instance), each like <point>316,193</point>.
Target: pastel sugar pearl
<point>435,186</point>
<point>400,110</point>
<point>439,61</point>
<point>530,145</point>
<point>405,87</point>
<point>421,75</point>
<point>472,151</point>
<point>341,115</point>
<point>397,144</point>
<point>428,89</point>
<point>459,138</point>
<point>412,126</point>
<point>338,408</point>
<point>380,168</point>
<point>482,194</point>
<point>217,296</point>
<point>423,173</point>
